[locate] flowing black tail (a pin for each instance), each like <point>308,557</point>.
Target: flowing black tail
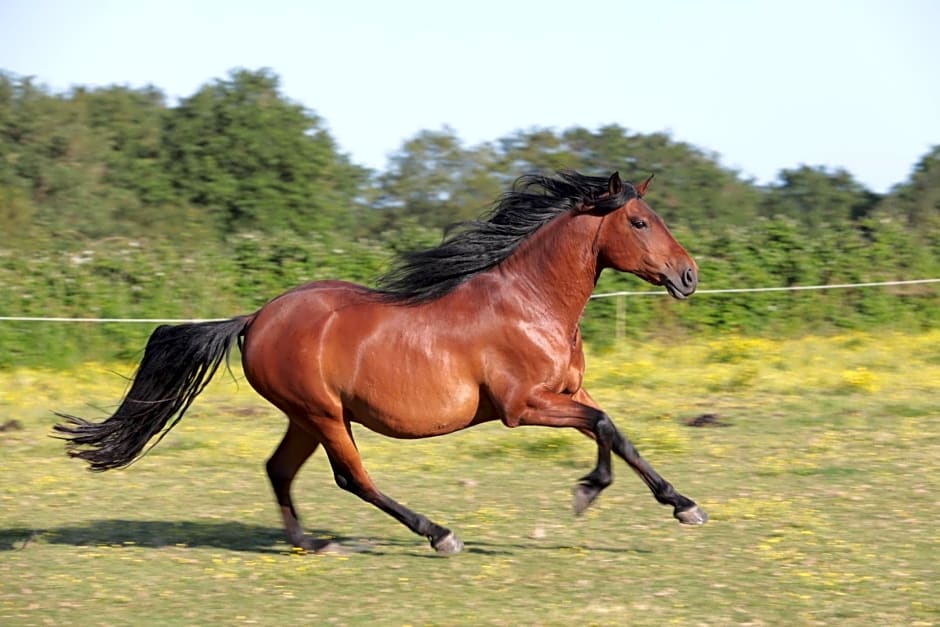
<point>178,363</point>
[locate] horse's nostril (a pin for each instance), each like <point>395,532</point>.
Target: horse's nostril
<point>688,277</point>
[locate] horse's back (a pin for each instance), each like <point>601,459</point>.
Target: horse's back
<point>338,349</point>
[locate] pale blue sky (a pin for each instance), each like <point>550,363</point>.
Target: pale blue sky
<point>766,85</point>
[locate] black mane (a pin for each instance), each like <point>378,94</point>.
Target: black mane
<point>478,245</point>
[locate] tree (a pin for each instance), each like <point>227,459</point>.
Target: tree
<point>131,121</point>
<point>816,195</point>
<point>439,181</point>
<point>53,156</point>
<point>436,182</point>
<point>917,200</point>
<point>254,160</point>
<point>691,189</point>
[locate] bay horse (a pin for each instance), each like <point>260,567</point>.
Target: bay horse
<point>483,327</point>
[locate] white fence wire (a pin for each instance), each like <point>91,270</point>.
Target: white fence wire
<point>730,290</point>
<point>791,288</point>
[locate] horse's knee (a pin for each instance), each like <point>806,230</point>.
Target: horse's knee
<point>604,429</point>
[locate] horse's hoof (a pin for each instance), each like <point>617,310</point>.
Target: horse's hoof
<point>583,495</point>
<point>330,548</point>
<point>318,545</point>
<point>448,545</point>
<point>695,515</point>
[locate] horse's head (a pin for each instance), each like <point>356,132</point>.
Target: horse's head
<point>633,238</point>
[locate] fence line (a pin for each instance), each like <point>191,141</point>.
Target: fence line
<point>730,290</point>
<point>140,320</point>
<point>791,288</point>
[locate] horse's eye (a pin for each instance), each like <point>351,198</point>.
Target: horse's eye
<point>639,223</point>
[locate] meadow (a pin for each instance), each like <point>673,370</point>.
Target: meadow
<point>820,468</point>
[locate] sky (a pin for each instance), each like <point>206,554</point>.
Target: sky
<point>766,86</point>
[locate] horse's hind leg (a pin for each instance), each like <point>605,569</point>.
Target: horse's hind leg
<point>295,448</point>
<point>350,475</point>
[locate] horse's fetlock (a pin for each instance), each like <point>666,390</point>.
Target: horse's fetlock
<point>598,479</point>
<point>342,481</point>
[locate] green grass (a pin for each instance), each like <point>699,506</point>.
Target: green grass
<point>822,492</point>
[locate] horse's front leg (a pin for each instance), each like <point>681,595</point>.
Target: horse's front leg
<point>582,413</point>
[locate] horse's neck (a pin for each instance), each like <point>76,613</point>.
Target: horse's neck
<point>556,269</point>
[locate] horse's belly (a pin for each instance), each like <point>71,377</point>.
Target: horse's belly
<point>413,413</point>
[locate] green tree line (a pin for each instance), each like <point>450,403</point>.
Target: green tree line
<point>115,202</point>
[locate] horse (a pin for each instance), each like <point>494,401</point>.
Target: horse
<point>483,327</point>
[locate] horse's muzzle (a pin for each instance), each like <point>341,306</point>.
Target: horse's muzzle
<point>682,284</point>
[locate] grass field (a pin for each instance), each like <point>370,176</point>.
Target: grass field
<point>822,489</point>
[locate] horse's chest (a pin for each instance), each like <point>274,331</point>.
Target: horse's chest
<point>574,375</point>
<point>560,365</point>
<point>558,362</point>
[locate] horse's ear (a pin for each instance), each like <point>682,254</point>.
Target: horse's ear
<point>614,184</point>
<point>642,187</point>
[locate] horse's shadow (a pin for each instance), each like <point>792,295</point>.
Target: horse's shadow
<point>155,534</point>
<point>236,536</point>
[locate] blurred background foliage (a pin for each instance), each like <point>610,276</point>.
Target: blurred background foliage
<point>116,203</point>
